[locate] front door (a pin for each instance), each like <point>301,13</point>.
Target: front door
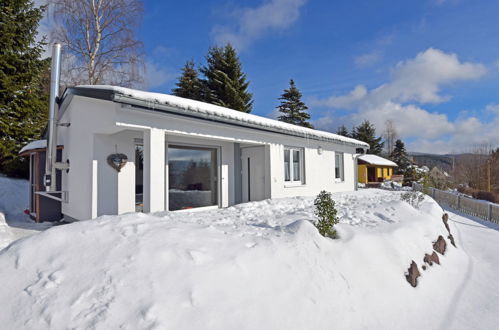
<point>371,174</point>
<point>253,173</point>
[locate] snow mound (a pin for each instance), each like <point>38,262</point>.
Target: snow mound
<point>14,223</point>
<point>13,196</point>
<point>13,202</point>
<point>260,265</point>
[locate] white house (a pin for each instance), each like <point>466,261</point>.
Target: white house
<point>179,154</point>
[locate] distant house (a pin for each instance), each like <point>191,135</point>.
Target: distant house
<point>124,150</point>
<point>373,169</point>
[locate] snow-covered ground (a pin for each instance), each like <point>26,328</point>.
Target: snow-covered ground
<point>258,265</point>
<point>476,301</point>
<point>14,223</point>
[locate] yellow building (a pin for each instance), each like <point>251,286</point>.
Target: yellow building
<point>372,169</point>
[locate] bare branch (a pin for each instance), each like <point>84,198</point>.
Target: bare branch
<point>100,42</point>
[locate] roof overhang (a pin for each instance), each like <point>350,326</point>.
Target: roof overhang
<point>115,94</point>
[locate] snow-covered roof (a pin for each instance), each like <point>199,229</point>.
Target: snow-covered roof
<point>211,111</point>
<point>38,144</point>
<point>376,160</point>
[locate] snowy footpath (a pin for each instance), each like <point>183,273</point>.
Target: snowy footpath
<point>260,265</point>
<point>476,301</point>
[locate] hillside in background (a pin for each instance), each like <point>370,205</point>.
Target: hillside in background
<point>444,162</point>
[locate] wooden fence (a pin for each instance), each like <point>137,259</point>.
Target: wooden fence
<point>478,208</point>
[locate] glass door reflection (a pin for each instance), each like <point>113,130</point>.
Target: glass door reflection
<point>192,177</point>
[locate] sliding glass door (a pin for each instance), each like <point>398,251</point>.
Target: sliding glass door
<point>192,177</point>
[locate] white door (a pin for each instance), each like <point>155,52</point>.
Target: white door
<point>253,173</point>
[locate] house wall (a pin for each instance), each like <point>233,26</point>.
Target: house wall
<point>382,172</point>
<point>362,173</point>
<point>100,128</point>
<point>82,147</point>
<point>319,168</point>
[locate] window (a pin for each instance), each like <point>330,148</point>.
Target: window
<point>293,165</point>
<point>192,177</point>
<point>139,178</point>
<point>339,167</point>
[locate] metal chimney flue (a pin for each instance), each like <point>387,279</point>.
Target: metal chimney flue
<point>51,155</point>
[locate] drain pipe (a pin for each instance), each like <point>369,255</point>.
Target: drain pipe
<point>51,154</point>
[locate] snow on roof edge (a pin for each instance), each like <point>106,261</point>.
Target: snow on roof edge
<point>207,109</point>
<point>37,144</point>
<point>376,160</point>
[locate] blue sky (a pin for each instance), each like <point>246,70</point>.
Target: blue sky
<point>431,66</point>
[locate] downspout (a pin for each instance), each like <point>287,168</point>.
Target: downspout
<point>51,154</point>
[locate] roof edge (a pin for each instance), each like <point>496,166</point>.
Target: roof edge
<point>111,93</point>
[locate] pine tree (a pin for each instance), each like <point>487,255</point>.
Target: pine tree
<point>225,83</point>
<point>367,133</point>
<point>23,103</point>
<point>400,157</point>
<point>188,84</point>
<point>292,109</point>
<point>342,130</point>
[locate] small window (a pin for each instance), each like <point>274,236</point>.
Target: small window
<point>287,168</point>
<point>339,167</point>
<point>293,165</point>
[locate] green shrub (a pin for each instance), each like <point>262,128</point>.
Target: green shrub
<point>326,214</point>
<point>414,198</point>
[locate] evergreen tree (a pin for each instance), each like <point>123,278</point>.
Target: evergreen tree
<point>23,104</point>
<point>399,155</point>
<point>367,133</point>
<point>342,130</point>
<point>225,83</point>
<point>292,109</point>
<point>188,84</point>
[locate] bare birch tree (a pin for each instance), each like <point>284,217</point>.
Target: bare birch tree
<point>99,41</point>
<point>390,135</point>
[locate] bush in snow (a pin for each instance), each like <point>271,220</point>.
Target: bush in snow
<point>414,198</point>
<point>326,213</point>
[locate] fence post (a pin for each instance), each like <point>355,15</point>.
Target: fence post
<point>459,202</point>
<point>489,212</point>
<point>433,193</point>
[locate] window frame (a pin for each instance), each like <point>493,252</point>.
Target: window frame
<point>341,178</point>
<point>301,165</point>
<point>187,145</point>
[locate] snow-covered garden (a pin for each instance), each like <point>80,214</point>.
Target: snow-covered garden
<point>260,265</point>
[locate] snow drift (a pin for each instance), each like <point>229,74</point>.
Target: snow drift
<point>259,265</point>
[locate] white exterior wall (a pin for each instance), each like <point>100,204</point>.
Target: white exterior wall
<point>87,117</point>
<point>100,128</point>
<point>319,170</point>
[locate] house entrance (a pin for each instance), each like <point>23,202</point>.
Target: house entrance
<point>371,174</point>
<point>253,173</point>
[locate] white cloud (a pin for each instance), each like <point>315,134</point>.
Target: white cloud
<point>348,101</point>
<point>492,108</point>
<point>413,83</point>
<point>367,59</point>
<point>253,23</point>
<point>156,75</point>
